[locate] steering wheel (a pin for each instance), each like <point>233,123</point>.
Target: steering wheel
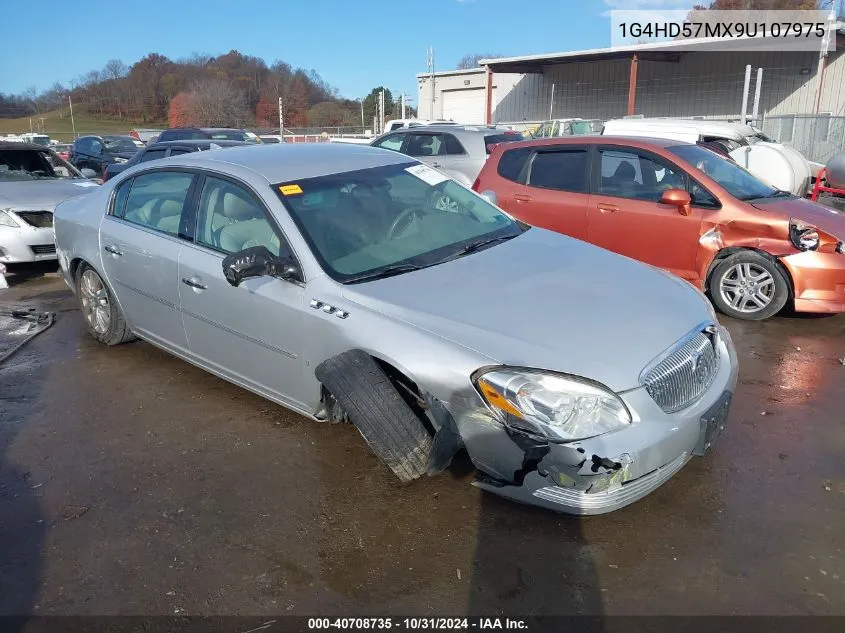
<point>403,222</point>
<point>444,202</point>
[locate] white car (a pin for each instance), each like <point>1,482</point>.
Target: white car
<point>33,180</point>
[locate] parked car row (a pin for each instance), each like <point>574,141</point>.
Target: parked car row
<point>388,275</point>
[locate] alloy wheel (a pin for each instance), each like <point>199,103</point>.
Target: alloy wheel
<point>747,287</point>
<point>95,302</point>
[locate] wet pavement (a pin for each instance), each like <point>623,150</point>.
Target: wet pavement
<point>134,483</point>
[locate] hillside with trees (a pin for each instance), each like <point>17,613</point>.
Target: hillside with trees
<point>228,90</point>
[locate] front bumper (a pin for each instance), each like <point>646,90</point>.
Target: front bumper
<point>818,280</point>
<point>604,473</point>
<point>26,244</point>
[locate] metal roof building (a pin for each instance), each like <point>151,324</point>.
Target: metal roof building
<point>674,78</point>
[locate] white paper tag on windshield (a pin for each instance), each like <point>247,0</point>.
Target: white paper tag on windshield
<point>86,184</point>
<point>427,174</point>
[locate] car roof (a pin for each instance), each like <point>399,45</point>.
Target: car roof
<point>642,142</point>
<point>197,142</point>
<point>283,162</point>
<point>439,127</point>
<point>16,145</point>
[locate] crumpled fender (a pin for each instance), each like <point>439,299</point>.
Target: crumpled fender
<point>772,239</point>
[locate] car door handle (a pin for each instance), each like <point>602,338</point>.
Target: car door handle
<point>113,250</point>
<point>519,197</point>
<point>608,208</point>
<point>193,282</point>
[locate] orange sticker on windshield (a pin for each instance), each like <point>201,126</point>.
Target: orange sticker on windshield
<point>290,190</point>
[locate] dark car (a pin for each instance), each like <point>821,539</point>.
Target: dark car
<point>209,133</point>
<point>163,149</point>
<point>98,152</point>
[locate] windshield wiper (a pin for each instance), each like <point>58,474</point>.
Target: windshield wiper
<point>476,246</point>
<point>381,273</point>
<point>778,193</point>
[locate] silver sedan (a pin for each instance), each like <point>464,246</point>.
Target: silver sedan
<point>33,179</point>
<point>330,279</point>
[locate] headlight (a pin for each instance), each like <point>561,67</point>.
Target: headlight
<point>7,220</point>
<point>804,237</point>
<point>840,248</point>
<point>119,160</point>
<point>558,407</point>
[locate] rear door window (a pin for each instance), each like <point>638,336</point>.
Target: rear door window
<point>561,170</point>
<point>451,145</point>
<point>156,200</point>
<point>512,164</point>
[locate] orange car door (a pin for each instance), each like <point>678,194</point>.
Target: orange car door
<point>626,217</point>
<point>554,194</point>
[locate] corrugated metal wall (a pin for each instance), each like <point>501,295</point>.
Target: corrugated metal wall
<point>701,84</point>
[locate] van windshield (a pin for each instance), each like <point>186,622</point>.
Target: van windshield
<point>740,183</point>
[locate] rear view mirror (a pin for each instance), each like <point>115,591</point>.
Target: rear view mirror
<point>258,261</point>
<point>677,198</point>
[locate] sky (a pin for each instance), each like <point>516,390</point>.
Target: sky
<point>355,45</point>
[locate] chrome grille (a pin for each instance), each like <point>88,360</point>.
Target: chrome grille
<point>681,377</point>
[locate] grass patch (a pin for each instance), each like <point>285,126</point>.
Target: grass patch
<point>58,125</point>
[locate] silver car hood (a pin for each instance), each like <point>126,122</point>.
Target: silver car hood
<point>42,194</point>
<point>548,301</point>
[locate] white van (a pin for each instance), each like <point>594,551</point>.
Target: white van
<point>779,165</point>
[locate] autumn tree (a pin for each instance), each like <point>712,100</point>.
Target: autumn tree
<point>219,102</point>
<point>327,114</point>
<point>180,113</point>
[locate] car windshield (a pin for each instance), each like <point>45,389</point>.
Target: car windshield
<point>119,144</point>
<point>31,164</point>
<point>384,220</point>
<point>739,182</point>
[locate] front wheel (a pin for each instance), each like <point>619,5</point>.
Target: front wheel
<point>749,286</point>
<point>102,314</point>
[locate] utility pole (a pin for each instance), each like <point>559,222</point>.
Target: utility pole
<point>72,123</point>
<point>363,126</point>
<point>403,105</point>
<point>431,81</point>
<point>281,120</point>
<point>381,112</point>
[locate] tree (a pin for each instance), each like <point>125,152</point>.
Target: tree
<point>371,104</point>
<point>470,60</point>
<point>180,113</point>
<point>764,5</point>
<point>219,102</point>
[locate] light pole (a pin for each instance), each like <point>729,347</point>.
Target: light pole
<point>363,127</point>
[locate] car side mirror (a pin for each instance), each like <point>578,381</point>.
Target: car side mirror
<point>88,173</point>
<point>258,261</point>
<point>679,199</point>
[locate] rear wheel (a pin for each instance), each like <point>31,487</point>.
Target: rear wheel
<point>748,285</point>
<point>102,315</point>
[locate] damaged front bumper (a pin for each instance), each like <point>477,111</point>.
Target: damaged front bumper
<point>603,473</point>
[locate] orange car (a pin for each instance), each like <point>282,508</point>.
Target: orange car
<point>684,208</point>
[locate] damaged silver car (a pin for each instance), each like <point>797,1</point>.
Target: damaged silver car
<point>353,284</point>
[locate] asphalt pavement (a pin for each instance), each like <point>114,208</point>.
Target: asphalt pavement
<point>134,483</point>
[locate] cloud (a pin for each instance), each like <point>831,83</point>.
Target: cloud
<point>647,5</point>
